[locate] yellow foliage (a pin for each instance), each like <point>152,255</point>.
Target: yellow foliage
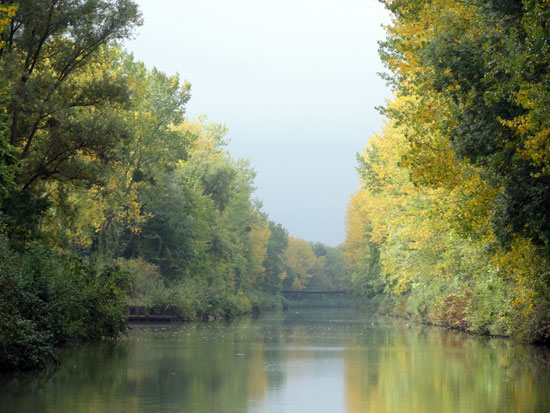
<point>259,237</point>
<point>6,14</point>
<point>301,260</point>
<point>521,264</point>
<point>422,221</point>
<point>420,226</point>
<point>356,228</point>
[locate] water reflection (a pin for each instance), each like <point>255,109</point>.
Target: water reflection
<point>306,361</point>
<point>429,369</point>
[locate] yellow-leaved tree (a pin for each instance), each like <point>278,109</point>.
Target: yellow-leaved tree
<point>259,238</point>
<point>301,262</point>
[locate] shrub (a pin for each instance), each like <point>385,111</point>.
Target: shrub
<point>48,299</point>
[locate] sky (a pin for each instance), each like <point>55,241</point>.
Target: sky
<point>294,81</point>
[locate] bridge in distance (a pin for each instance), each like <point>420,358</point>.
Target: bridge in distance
<point>318,292</point>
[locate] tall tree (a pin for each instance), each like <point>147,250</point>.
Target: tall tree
<point>488,91</point>
<point>60,88</point>
<point>275,258</point>
<point>301,262</point>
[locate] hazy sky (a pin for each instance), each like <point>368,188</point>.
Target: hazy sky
<point>295,82</point>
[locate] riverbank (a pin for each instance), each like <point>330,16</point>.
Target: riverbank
<point>455,316</point>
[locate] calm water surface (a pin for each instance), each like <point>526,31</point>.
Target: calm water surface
<point>296,361</point>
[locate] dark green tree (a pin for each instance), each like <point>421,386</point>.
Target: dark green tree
<point>275,263</point>
<point>60,88</point>
<point>495,87</point>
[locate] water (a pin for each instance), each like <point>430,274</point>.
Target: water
<point>297,361</point>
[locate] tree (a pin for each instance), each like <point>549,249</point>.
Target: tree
<point>487,91</point>
<point>7,161</point>
<point>275,258</point>
<point>451,219</point>
<point>156,141</point>
<point>259,236</point>
<point>301,262</point>
<point>60,89</point>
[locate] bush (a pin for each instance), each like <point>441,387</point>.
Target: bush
<point>48,299</point>
<point>261,301</point>
<point>489,308</point>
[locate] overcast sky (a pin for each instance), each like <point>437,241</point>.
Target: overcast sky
<point>295,82</point>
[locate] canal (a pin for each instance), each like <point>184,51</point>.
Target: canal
<point>298,361</point>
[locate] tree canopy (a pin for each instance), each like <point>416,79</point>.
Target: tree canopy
<point>455,200</point>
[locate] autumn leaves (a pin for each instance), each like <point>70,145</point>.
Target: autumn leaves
<point>452,203</point>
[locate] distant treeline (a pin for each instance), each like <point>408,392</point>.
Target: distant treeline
<point>110,196</point>
<point>452,222</point>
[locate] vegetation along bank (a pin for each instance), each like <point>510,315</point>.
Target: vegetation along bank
<point>451,224</point>
<point>110,196</point>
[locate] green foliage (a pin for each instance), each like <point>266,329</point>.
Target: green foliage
<point>8,162</point>
<point>494,83</point>
<point>61,87</point>
<point>318,301</point>
<point>57,130</point>
<point>274,262</point>
<point>332,274</point>
<point>98,160</point>
<point>366,280</point>
<point>47,299</point>
<point>489,307</point>
<point>452,220</point>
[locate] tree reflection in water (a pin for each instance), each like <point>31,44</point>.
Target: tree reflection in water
<point>307,360</point>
